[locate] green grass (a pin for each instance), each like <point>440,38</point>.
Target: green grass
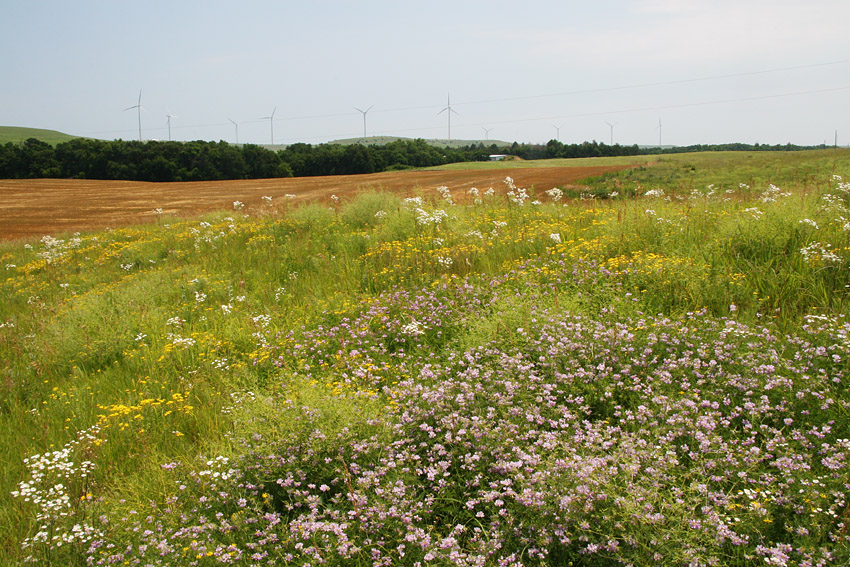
<point>18,134</point>
<point>558,162</point>
<point>319,345</point>
<point>727,170</point>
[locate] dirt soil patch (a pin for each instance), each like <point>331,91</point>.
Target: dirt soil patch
<point>35,207</point>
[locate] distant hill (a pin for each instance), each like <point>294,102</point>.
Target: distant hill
<point>18,134</point>
<point>383,140</point>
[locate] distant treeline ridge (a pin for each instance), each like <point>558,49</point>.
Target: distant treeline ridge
<point>84,158</point>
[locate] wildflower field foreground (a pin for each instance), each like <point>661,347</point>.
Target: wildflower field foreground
<point>638,374</point>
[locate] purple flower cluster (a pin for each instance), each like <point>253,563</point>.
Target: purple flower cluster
<point>615,439</point>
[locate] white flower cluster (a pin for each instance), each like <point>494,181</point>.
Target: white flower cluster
<point>181,342</point>
<point>654,193</point>
<point>817,251</point>
<point>555,193</point>
<point>517,195</point>
<point>555,237</point>
<point>445,261</point>
<point>202,235</point>
<point>772,193</point>
<point>56,486</point>
<point>238,205</point>
<point>810,222</point>
<point>757,214</point>
<point>445,194</point>
<point>278,293</point>
<point>381,214</point>
<point>413,329</point>
<point>425,218</point>
<point>217,473</point>
<point>476,196</point>
<point>55,248</point>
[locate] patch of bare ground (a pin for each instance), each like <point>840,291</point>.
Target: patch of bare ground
<point>35,207</point>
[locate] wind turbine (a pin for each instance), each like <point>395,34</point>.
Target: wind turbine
<point>486,133</point>
<point>168,117</point>
<point>449,114</point>
<point>612,131</point>
<point>138,107</point>
<point>237,130</point>
<point>659,131</point>
<point>557,132</point>
<point>271,122</point>
<point>364,112</point>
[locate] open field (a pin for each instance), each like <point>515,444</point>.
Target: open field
<point>652,373</point>
<point>31,208</point>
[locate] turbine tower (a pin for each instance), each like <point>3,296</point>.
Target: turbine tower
<point>236,124</point>
<point>168,117</point>
<point>364,112</point>
<point>138,107</point>
<point>659,131</point>
<point>486,133</point>
<point>449,114</point>
<point>612,131</point>
<point>271,122</point>
<point>557,132</point>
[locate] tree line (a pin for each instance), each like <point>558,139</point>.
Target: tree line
<point>85,158</point>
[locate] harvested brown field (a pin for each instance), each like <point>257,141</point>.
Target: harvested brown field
<point>35,207</point>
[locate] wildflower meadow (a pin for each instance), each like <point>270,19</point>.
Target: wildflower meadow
<point>637,371</point>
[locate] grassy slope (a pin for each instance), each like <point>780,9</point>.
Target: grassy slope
<point>19,134</point>
<point>293,325</point>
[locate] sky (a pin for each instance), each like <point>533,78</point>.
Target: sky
<point>766,71</point>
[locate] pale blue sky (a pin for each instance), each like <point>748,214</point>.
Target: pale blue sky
<point>769,71</point>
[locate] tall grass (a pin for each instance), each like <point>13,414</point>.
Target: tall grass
<point>390,381</point>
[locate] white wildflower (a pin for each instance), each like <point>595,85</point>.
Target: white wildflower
<point>445,261</point>
<point>414,328</point>
<point>819,252</point>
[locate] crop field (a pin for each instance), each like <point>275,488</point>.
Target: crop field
<point>649,368</point>
<point>33,208</point>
